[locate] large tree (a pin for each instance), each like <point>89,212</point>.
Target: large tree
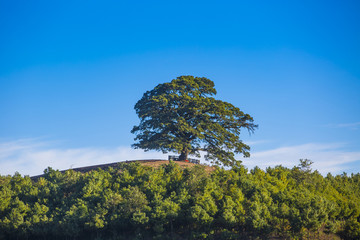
<point>182,116</point>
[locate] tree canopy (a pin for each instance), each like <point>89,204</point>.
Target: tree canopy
<point>135,201</point>
<point>183,116</point>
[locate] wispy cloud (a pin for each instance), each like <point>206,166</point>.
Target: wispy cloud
<point>31,157</point>
<point>253,143</point>
<point>326,157</point>
<point>352,126</point>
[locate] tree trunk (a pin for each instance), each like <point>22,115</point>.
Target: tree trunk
<point>184,155</point>
<point>171,229</point>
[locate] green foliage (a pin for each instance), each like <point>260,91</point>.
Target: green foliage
<point>182,116</point>
<point>137,202</point>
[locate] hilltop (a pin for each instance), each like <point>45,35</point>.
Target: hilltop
<point>155,163</point>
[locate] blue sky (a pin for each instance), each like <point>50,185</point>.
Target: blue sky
<point>72,71</point>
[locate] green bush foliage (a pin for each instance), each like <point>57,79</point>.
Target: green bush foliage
<point>133,201</point>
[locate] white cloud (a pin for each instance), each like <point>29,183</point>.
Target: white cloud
<point>326,157</point>
<point>258,142</point>
<point>9,148</point>
<point>31,157</point>
<point>352,126</point>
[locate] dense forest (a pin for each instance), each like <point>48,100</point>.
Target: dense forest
<point>133,201</point>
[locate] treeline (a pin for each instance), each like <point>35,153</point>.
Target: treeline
<point>137,202</point>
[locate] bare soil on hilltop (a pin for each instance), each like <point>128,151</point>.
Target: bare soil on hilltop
<point>150,163</point>
<point>158,163</point>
